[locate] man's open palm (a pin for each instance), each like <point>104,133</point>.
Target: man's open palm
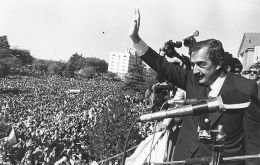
<point>134,28</point>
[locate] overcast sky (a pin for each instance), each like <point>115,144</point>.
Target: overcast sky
<point>56,29</point>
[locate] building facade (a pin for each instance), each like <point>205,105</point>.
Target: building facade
<point>121,62</point>
<point>249,50</point>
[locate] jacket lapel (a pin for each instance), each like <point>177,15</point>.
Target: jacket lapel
<point>228,85</point>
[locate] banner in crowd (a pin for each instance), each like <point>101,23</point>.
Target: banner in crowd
<point>11,139</point>
<point>152,149</point>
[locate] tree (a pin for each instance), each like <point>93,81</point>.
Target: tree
<point>135,79</point>
<point>75,63</point>
<point>87,71</point>
<point>16,59</point>
<point>150,78</point>
<point>113,76</point>
<point>40,66</point>
<point>23,55</point>
<point>4,47</point>
<point>4,69</point>
<point>4,42</point>
<point>57,68</point>
<point>13,63</point>
<point>101,66</point>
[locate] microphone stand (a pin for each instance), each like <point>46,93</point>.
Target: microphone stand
<point>218,137</point>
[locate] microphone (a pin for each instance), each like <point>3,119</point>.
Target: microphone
<point>194,34</point>
<point>231,100</point>
<point>184,102</point>
<point>206,106</point>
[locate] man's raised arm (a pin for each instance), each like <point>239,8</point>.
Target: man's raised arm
<point>140,46</point>
<point>134,28</point>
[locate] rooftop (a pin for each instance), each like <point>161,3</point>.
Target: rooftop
<point>249,40</point>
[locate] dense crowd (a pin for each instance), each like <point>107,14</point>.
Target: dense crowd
<point>52,117</point>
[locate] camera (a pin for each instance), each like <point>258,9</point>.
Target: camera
<point>188,41</point>
<point>158,88</point>
<point>169,51</point>
<point>169,48</point>
<point>161,93</point>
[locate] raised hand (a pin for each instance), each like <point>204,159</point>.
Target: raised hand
<point>134,28</point>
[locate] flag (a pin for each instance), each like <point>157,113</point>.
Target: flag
<point>143,151</point>
<point>11,139</point>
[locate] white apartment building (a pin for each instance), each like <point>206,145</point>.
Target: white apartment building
<point>249,50</point>
<point>121,62</point>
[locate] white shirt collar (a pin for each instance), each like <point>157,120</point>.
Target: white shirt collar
<point>216,85</point>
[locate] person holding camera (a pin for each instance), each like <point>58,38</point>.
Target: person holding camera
<point>207,78</point>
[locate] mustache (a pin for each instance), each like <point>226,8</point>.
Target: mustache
<point>198,74</point>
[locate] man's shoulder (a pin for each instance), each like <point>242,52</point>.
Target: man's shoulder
<point>242,81</point>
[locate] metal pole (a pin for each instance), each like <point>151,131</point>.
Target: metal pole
<point>218,148</point>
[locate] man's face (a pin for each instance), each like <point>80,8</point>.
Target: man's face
<point>204,70</point>
<point>252,74</point>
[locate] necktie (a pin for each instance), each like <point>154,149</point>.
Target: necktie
<point>207,90</point>
<point>204,122</point>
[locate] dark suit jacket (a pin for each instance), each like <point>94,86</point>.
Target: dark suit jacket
<point>242,127</point>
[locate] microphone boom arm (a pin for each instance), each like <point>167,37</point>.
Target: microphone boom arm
<point>207,106</point>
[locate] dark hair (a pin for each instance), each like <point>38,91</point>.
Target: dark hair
<point>214,50</point>
<point>255,66</point>
<point>235,63</point>
<point>227,60</point>
<point>160,78</point>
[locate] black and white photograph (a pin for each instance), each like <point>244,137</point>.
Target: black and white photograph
<point>129,82</point>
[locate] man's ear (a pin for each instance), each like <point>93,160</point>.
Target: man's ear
<point>220,64</point>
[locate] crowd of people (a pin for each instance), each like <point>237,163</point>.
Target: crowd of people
<point>52,117</point>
